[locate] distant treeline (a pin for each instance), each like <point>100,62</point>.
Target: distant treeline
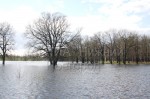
<point>113,46</point>
<point>24,58</point>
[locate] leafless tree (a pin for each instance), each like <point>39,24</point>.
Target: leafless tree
<point>49,34</point>
<point>126,37</point>
<point>110,38</point>
<point>100,37</point>
<point>145,48</point>
<point>74,47</point>
<point>87,48</point>
<point>118,47</point>
<point>6,39</point>
<point>134,52</point>
<point>95,50</point>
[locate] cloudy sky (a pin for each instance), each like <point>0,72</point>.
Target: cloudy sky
<point>91,15</point>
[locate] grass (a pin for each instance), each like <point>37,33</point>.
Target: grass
<point>127,63</point>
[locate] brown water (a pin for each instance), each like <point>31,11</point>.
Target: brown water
<point>37,80</point>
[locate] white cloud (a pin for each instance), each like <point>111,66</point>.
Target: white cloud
<point>19,18</point>
<point>136,6</point>
<point>92,24</point>
<point>55,6</point>
<point>121,6</point>
<point>126,14</point>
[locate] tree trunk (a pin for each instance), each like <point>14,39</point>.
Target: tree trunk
<point>137,56</point>
<point>77,59</point>
<point>82,57</point>
<point>125,54</point>
<point>119,59</point>
<point>103,56</point>
<point>87,56</point>
<point>54,63</point>
<point>55,58</point>
<point>3,59</point>
<point>110,56</point>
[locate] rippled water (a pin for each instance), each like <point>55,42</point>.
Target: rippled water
<point>37,80</point>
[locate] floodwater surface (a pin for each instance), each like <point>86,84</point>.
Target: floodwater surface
<point>37,80</point>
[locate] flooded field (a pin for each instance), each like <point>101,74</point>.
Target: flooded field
<point>37,80</point>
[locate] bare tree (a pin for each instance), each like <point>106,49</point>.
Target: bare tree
<point>49,34</point>
<point>6,39</point>
<point>87,47</point>
<point>118,47</point>
<point>110,37</point>
<point>100,37</point>
<point>92,45</point>
<point>145,48</point>
<point>126,37</point>
<point>74,47</point>
<point>136,48</point>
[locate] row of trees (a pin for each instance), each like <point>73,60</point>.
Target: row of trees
<point>25,58</point>
<point>49,37</point>
<point>119,46</point>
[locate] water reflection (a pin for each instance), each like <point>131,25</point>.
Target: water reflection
<point>37,80</point>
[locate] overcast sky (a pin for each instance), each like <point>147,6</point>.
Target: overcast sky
<point>91,15</point>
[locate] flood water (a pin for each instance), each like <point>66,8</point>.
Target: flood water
<point>37,80</point>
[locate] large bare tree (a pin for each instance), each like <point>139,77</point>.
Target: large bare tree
<point>49,34</point>
<point>6,40</point>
